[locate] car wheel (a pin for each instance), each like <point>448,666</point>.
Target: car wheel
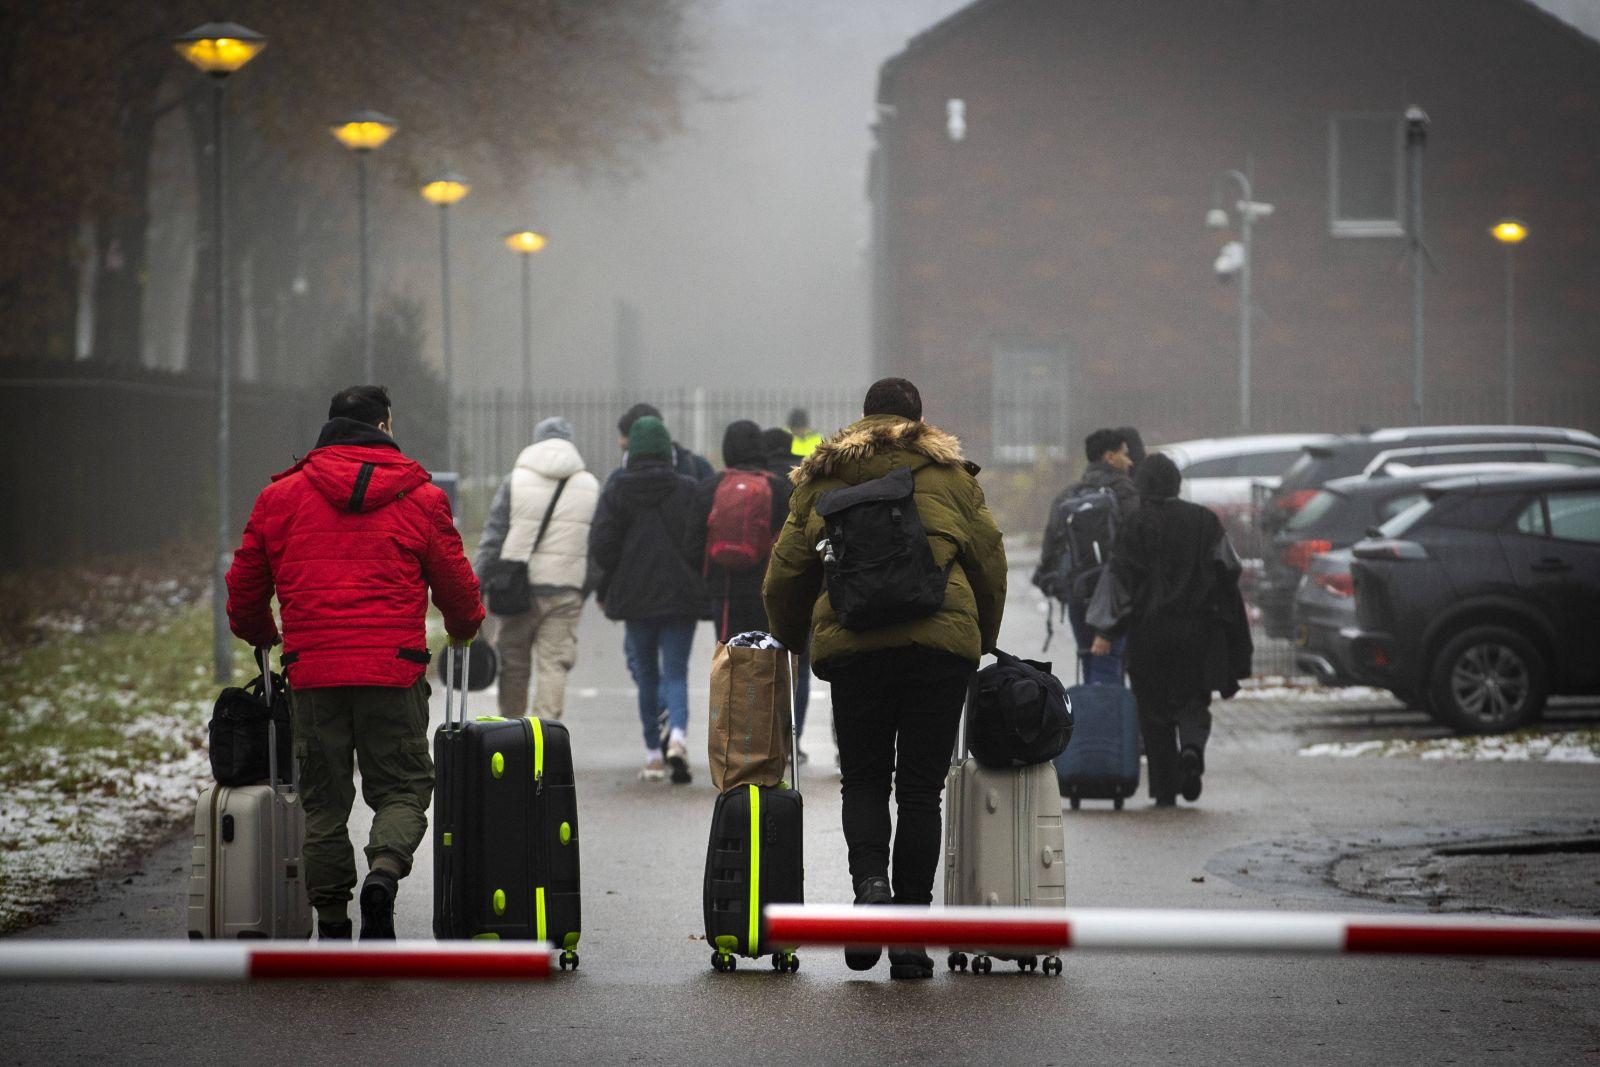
<point>1488,679</point>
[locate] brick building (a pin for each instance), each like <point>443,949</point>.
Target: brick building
<point>1051,268</point>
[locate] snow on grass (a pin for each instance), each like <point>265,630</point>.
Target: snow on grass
<point>1570,746</point>
<point>102,747</point>
<point>1276,687</point>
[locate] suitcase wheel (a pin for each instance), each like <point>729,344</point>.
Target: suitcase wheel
<point>1117,804</point>
<point>1026,964</point>
<point>723,962</point>
<point>569,960</point>
<point>982,965</point>
<point>956,961</point>
<point>1052,966</point>
<point>1077,802</point>
<point>785,962</point>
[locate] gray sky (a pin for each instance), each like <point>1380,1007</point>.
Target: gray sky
<point>743,242</point>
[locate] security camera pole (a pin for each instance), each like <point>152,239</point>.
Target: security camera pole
<point>1242,262</point>
<point>1416,140</point>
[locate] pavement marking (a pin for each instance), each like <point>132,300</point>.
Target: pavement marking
<point>235,961</point>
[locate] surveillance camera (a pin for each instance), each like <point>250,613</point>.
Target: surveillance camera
<point>1230,261</point>
<point>1415,116</point>
<point>956,119</point>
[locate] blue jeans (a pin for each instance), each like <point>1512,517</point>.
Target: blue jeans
<point>1105,669</point>
<point>658,659</point>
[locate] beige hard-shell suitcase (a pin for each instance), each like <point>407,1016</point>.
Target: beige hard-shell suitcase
<point>1004,846</point>
<point>246,876</point>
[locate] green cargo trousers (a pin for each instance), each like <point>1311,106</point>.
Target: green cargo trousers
<point>386,730</point>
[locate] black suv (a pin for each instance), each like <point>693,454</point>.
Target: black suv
<point>1420,446</point>
<point>1337,516</point>
<point>1484,597</point>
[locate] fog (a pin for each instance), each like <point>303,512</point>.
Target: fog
<point>742,242</point>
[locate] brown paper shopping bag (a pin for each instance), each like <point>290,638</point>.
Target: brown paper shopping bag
<point>749,724</point>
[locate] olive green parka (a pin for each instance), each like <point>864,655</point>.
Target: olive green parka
<point>960,531</point>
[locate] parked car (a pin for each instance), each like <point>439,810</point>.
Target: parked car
<point>1230,475</point>
<point>1420,446</point>
<point>1484,596</point>
<point>1325,620</point>
<point>1339,515</point>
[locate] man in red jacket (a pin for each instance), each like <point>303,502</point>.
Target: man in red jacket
<point>350,538</point>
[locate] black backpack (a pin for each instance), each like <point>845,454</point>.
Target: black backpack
<point>238,732</point>
<point>1018,713</point>
<point>877,559</point>
<point>1084,524</point>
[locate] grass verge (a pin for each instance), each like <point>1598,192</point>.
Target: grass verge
<point>102,746</point>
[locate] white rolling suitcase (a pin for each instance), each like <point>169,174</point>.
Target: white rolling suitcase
<point>246,876</point>
<point>1004,846</point>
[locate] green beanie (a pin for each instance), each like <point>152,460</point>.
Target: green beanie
<point>648,437</point>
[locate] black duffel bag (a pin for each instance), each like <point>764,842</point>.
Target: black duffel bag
<point>483,665</point>
<point>239,732</point>
<point>1018,713</point>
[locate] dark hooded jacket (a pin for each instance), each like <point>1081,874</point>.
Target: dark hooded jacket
<point>734,597</point>
<point>350,539</point>
<point>640,541</point>
<point>1175,591</point>
<point>778,444</point>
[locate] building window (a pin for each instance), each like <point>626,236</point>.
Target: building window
<point>1029,413</point>
<point>1366,174</point>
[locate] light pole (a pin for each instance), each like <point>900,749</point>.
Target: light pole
<point>1238,258</point>
<point>1510,233</point>
<point>1416,141</point>
<point>219,49</point>
<point>444,191</point>
<point>527,244</point>
<point>364,133</point>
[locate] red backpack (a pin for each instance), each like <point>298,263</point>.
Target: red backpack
<point>739,531</point>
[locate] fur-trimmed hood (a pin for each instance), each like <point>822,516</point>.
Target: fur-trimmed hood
<point>872,437</point>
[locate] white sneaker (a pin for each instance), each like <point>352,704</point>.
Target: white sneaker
<point>678,760</point>
<point>654,770</point>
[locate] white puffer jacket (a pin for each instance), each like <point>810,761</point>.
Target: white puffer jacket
<point>562,559</point>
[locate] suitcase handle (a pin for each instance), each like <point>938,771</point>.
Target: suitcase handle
<point>794,734</point>
<point>455,673</point>
<point>264,661</point>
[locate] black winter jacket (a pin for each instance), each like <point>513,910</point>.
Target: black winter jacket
<point>641,541</point>
<point>1175,593</point>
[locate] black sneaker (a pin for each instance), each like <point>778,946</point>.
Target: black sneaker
<point>910,963</point>
<point>1191,766</point>
<point>338,930</point>
<point>865,957</point>
<point>377,907</point>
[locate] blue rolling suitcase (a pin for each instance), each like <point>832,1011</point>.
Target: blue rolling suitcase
<point>1101,762</point>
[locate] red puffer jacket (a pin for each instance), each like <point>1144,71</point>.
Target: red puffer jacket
<point>350,538</point>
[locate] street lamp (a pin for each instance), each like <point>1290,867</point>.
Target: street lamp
<point>527,244</point>
<point>444,191</point>
<point>1510,233</point>
<point>364,133</point>
<point>1416,144</point>
<point>1237,258</point>
<point>218,49</point>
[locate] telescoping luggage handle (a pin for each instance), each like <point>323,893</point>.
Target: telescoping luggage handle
<point>264,661</point>
<point>455,668</point>
<point>794,733</point>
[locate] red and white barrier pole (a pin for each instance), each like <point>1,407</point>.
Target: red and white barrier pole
<point>244,961</point>
<point>1154,930</point>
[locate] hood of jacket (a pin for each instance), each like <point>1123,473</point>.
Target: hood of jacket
<point>862,450</point>
<point>1158,478</point>
<point>741,445</point>
<point>646,481</point>
<point>358,468</point>
<point>1102,475</point>
<point>554,458</point>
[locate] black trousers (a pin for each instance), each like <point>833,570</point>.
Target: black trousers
<point>1171,719</point>
<point>897,712</point>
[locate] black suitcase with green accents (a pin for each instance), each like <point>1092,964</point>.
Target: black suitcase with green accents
<point>756,857</point>
<point>505,828</point>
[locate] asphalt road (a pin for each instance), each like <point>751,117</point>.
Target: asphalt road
<point>646,993</point>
